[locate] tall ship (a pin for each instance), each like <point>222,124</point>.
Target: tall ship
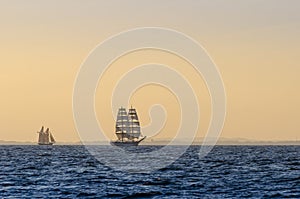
<point>45,137</point>
<point>128,130</point>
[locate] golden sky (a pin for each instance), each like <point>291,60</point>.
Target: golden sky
<point>254,43</point>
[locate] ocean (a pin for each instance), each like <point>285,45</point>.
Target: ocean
<point>226,172</point>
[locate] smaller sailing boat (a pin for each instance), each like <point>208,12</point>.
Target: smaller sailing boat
<point>45,137</point>
<point>128,128</point>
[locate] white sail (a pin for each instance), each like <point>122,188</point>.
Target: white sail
<point>52,138</point>
<point>41,135</point>
<point>122,124</point>
<point>47,140</point>
<point>128,125</point>
<point>134,124</point>
<point>45,137</point>
<point>128,128</point>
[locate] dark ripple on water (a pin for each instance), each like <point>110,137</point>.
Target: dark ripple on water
<point>227,172</point>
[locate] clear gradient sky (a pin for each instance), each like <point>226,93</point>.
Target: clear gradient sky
<point>255,44</point>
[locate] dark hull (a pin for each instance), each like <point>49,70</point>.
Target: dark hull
<point>120,144</point>
<point>125,144</point>
<point>45,143</point>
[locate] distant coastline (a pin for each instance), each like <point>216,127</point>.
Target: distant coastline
<point>221,141</point>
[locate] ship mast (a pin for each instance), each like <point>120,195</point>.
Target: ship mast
<point>135,130</point>
<point>131,130</point>
<point>122,124</point>
<point>122,131</point>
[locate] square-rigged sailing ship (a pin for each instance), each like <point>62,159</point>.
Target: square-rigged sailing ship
<point>128,128</point>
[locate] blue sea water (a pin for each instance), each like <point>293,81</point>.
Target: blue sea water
<point>227,172</point>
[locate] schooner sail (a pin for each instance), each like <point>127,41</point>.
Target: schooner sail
<point>45,137</point>
<point>128,128</point>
